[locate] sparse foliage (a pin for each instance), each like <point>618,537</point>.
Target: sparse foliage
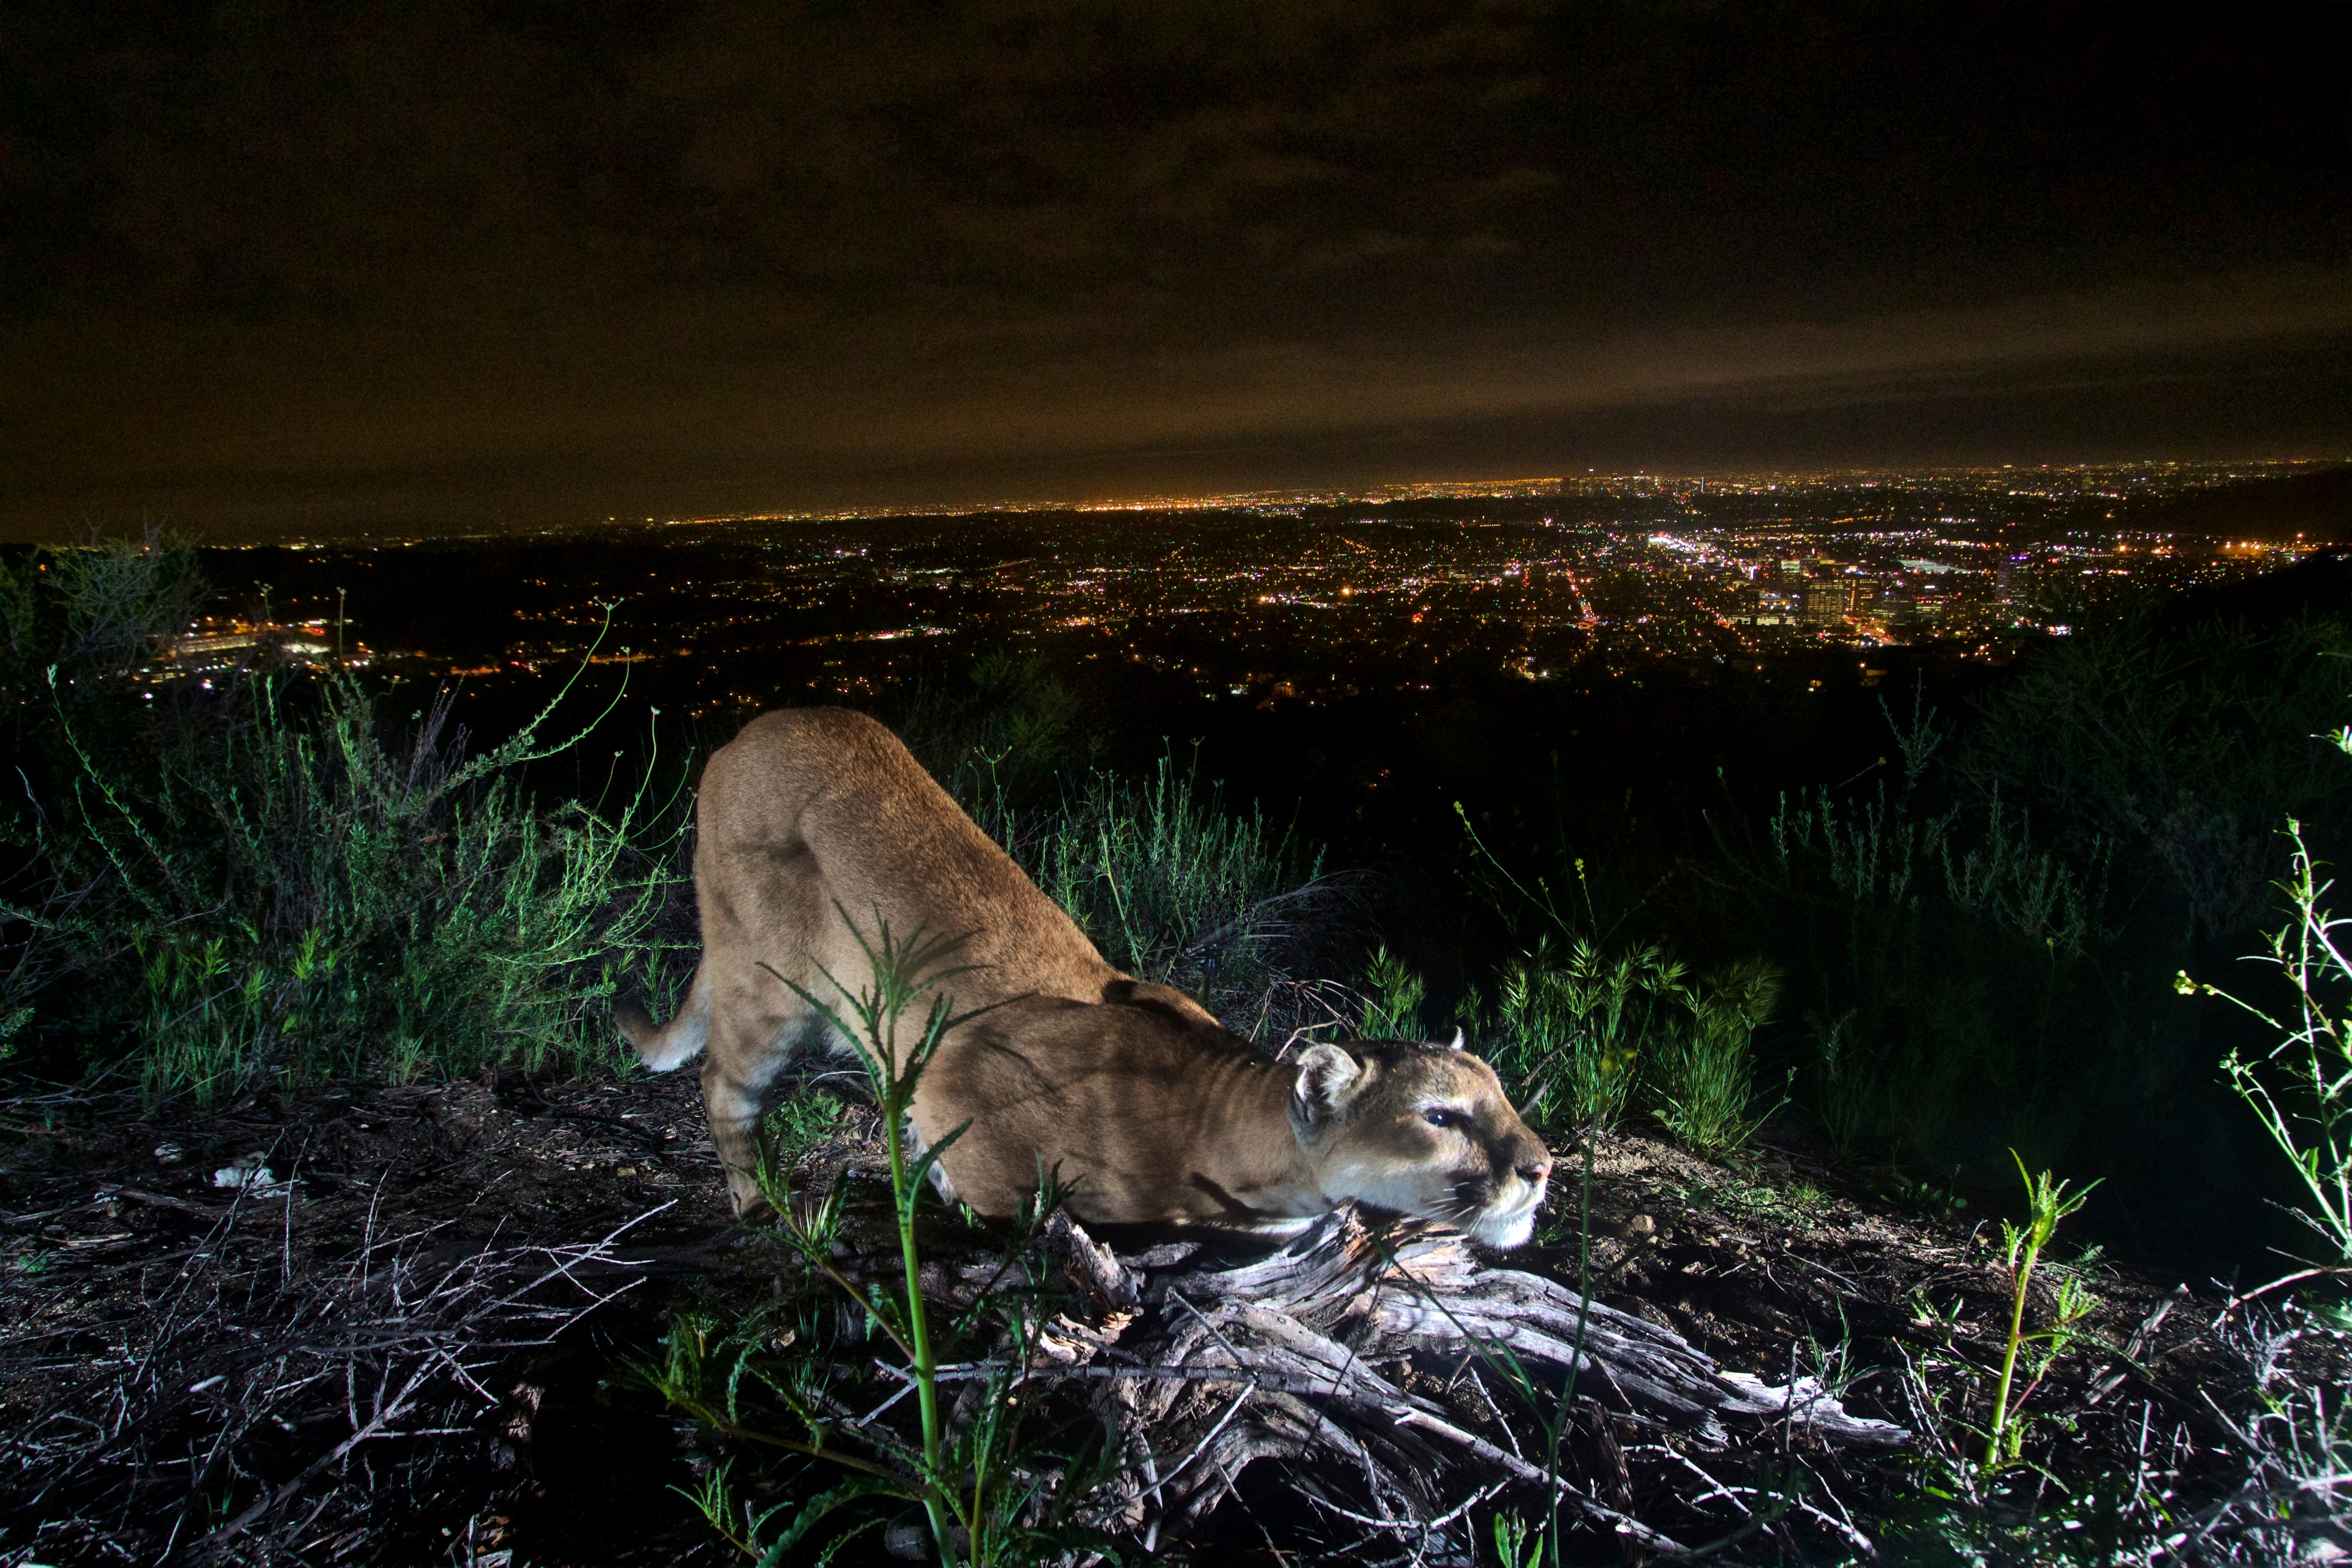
<point>1393,1006</point>
<point>2301,1086</point>
<point>2047,1203</point>
<point>982,1508</point>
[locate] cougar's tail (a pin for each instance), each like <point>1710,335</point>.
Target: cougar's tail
<point>662,1047</point>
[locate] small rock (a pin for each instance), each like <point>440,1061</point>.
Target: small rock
<point>255,1177</point>
<point>1641,1224</point>
<point>170,1153</point>
<point>907,1540</point>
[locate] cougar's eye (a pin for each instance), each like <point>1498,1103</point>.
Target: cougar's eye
<point>1441,1118</point>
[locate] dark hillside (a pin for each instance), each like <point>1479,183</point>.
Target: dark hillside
<point>2316,506</point>
<point>2319,584</point>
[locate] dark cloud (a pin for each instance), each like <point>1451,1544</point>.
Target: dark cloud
<point>536,262</point>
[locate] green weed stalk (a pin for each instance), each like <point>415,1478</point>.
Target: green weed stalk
<point>987,1495</point>
<point>2047,1203</point>
<point>905,972</point>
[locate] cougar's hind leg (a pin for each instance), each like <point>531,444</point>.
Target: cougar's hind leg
<point>739,1083</point>
<point>911,1140</point>
<point>734,1107</point>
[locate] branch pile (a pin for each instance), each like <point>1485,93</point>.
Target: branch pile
<point>258,1412</point>
<point>1392,1378</point>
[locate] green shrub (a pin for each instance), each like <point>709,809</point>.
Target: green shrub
<point>977,1471</point>
<point>1934,950</point>
<point>800,1121</point>
<point>2189,743</point>
<point>92,609</point>
<point>1845,1093</point>
<point>1978,947</point>
<point>1008,716</point>
<point>379,896</point>
<point>260,884</point>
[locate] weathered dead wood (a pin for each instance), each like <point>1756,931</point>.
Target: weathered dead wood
<point>161,1201</point>
<point>1425,1293</point>
<point>1319,1354</point>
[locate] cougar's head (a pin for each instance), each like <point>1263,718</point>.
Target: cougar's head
<point>1423,1128</point>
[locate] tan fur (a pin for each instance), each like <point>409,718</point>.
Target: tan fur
<point>1130,1089</point>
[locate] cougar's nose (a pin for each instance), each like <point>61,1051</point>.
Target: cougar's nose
<point>1535,1168</point>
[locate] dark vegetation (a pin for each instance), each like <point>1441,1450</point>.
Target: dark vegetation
<point>1799,960</point>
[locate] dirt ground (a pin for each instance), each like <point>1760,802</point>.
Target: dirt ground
<point>551,1454</point>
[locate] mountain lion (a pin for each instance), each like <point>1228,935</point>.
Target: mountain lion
<point>1131,1090</point>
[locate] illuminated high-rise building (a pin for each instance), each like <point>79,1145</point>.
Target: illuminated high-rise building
<point>1828,600</point>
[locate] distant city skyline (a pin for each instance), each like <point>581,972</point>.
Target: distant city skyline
<point>1308,599</point>
<point>2145,477</point>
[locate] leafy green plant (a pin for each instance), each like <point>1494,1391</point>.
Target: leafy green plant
<point>203,1029</point>
<point>903,973</point>
<point>1845,1089</point>
<point>1515,1545</point>
<point>1929,1197</point>
<point>1980,1498</point>
<point>1963,1513</point>
<point>2047,1203</point>
<point>1576,1028</point>
<point>982,1488</point>
<point>1583,1029</point>
<point>1392,1009</point>
<point>800,1121</point>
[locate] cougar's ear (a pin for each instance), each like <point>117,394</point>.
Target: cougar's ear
<point>1458,1040</point>
<point>1328,1079</point>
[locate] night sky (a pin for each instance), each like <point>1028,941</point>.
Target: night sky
<point>440,266</point>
